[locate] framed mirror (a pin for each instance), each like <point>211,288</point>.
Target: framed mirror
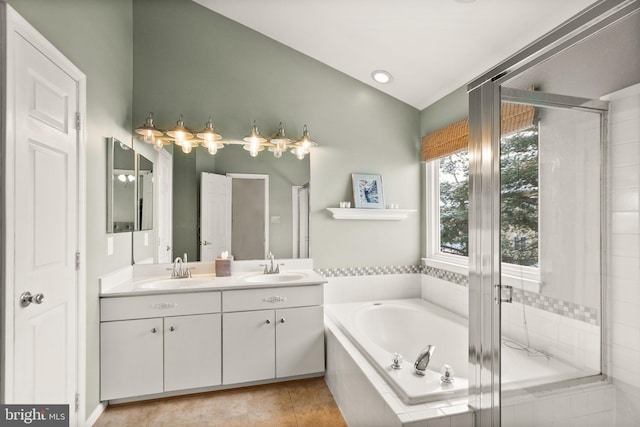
<point>121,187</point>
<point>178,194</point>
<point>144,187</point>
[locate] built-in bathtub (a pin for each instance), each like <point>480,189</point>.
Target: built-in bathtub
<point>379,329</point>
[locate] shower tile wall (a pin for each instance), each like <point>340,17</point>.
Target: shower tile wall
<point>624,271</point>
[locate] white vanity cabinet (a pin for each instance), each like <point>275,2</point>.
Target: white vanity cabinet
<point>272,333</point>
<point>157,343</point>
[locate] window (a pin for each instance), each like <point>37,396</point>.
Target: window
<point>519,201</point>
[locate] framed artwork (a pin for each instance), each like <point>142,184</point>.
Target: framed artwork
<point>367,190</point>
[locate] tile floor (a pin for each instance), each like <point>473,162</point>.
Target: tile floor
<point>298,403</point>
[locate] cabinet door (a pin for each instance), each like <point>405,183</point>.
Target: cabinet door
<point>130,358</point>
<point>299,341</point>
<point>248,346</point>
<point>192,356</point>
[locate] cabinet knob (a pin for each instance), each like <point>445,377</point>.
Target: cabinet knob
<point>172,328</point>
<point>268,321</point>
<point>154,330</point>
<point>282,320</point>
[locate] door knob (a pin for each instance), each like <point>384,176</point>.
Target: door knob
<point>26,299</point>
<point>282,320</point>
<point>205,243</point>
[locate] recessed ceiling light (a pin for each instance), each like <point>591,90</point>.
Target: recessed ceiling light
<point>382,76</point>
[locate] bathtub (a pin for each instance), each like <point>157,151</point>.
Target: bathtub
<point>379,329</point>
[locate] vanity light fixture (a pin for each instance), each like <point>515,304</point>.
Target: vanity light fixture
<point>382,76</point>
<point>209,138</point>
<point>254,141</point>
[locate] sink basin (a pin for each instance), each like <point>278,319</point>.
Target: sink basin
<point>287,276</point>
<point>170,283</point>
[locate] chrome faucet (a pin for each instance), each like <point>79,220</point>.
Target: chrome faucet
<point>423,359</point>
<point>179,270</point>
<point>272,267</point>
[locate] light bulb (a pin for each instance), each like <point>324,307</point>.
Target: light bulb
<point>180,137</point>
<point>212,148</point>
<point>300,154</point>
<point>277,153</point>
<point>149,137</point>
<point>186,147</point>
<point>253,150</point>
<point>157,145</point>
<point>208,140</point>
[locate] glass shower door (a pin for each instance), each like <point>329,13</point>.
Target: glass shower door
<point>552,234</point>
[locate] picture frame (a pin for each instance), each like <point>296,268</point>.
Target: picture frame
<point>367,190</point>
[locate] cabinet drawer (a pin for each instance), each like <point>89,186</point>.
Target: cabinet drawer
<point>145,306</point>
<point>270,298</point>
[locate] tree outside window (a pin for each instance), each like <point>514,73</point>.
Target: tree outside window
<point>518,202</point>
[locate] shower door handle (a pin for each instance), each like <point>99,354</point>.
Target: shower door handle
<point>498,298</point>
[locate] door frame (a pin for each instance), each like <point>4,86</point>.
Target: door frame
<point>16,24</point>
<point>484,198</point>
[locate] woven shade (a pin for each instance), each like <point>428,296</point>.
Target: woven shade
<point>455,137</point>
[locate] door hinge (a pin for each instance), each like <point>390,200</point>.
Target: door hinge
<point>77,261</point>
<point>78,121</point>
<point>77,402</point>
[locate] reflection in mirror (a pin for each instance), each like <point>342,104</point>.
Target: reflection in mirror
<point>121,187</point>
<point>145,193</point>
<point>288,215</point>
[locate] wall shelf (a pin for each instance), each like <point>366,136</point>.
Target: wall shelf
<point>371,214</point>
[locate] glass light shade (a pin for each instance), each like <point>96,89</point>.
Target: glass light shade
<point>209,134</point>
<point>187,146</point>
<point>158,144</point>
<point>299,152</point>
<point>280,139</point>
<point>305,142</point>
<point>180,133</point>
<point>148,130</point>
<point>254,136</point>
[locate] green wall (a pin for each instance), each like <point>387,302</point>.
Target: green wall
<point>191,61</point>
<point>96,36</point>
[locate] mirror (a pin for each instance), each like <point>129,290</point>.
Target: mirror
<point>288,213</point>
<point>121,187</point>
<point>145,193</point>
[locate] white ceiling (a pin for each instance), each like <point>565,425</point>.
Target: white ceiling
<point>431,47</point>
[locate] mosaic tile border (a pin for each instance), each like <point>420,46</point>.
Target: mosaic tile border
<point>368,271</point>
<point>532,299</point>
<point>542,302</point>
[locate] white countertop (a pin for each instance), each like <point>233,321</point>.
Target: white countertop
<point>132,280</point>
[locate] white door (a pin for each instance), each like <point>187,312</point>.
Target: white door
<point>164,173</point>
<point>42,206</point>
<point>215,215</point>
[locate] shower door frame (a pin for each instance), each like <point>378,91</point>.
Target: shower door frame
<point>485,289</point>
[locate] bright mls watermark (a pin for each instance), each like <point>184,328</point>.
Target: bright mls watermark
<point>34,415</point>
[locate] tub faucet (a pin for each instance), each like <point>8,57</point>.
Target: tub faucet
<point>423,359</point>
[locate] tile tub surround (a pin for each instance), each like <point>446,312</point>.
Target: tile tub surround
<point>365,399</point>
